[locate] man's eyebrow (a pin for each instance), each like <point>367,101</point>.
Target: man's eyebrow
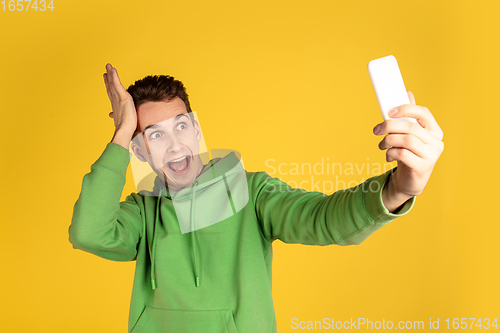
<point>180,115</point>
<point>153,126</point>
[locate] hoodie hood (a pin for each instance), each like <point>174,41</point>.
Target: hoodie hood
<point>220,191</point>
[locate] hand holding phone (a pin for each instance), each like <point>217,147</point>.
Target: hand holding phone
<point>388,84</point>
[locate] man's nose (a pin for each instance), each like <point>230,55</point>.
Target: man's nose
<point>174,144</point>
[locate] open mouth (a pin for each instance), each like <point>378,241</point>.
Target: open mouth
<point>180,165</point>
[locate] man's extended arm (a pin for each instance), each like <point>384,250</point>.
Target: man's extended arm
<point>345,217</point>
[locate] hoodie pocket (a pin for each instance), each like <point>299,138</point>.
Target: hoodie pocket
<point>156,320</point>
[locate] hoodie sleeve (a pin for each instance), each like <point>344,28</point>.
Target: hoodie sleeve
<point>101,224</point>
<point>345,217</point>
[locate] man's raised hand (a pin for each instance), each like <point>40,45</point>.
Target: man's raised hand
<point>416,147</point>
<point>122,104</point>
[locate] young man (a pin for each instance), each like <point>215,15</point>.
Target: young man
<point>202,238</point>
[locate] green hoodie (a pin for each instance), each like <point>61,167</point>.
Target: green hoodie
<point>215,278</point>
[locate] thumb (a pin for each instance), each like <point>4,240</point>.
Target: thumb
<point>411,97</point>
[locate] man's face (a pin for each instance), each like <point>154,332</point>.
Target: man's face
<point>169,142</point>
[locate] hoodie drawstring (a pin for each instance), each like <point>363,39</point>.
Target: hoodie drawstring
<point>153,275</point>
<point>193,241</point>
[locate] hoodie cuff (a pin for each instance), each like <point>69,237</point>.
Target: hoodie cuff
<point>115,158</point>
<point>374,205</point>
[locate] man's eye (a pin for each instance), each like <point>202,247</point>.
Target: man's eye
<point>155,135</point>
<point>181,124</point>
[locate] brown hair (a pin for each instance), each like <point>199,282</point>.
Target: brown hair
<point>157,88</point>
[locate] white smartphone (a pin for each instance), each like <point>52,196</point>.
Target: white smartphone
<point>388,84</point>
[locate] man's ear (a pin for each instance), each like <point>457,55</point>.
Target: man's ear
<point>198,130</point>
<point>138,153</point>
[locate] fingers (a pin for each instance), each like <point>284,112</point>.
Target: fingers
<point>423,116</point>
<point>109,71</point>
<point>107,85</point>
<point>404,156</point>
<point>405,141</point>
<point>112,93</point>
<point>405,127</point>
<point>114,82</point>
<point>111,81</point>
<point>409,143</point>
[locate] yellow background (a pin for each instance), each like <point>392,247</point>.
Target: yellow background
<point>282,80</point>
